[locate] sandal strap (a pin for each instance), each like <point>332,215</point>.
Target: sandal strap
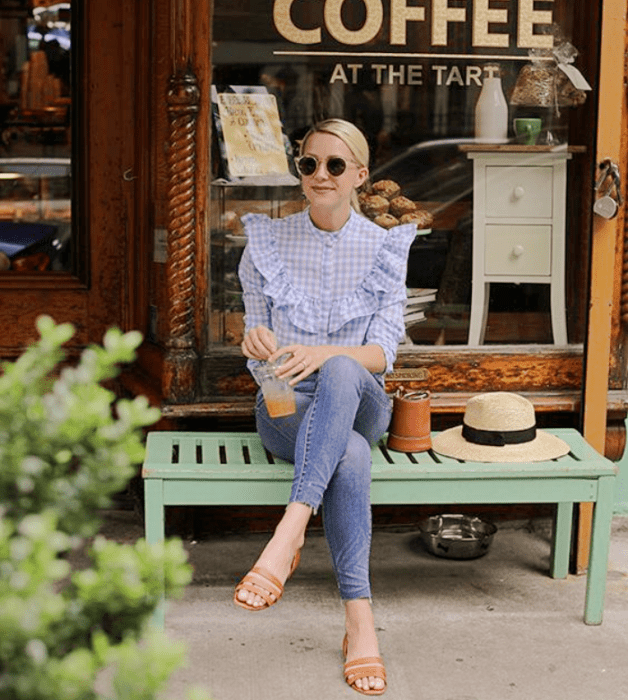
<point>363,668</point>
<point>262,583</point>
<point>266,577</point>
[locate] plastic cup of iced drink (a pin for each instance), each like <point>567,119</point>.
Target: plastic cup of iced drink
<point>278,394</point>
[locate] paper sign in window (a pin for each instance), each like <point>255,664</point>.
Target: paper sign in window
<point>252,134</point>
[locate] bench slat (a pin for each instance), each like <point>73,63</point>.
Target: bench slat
<point>187,450</point>
<point>257,452</point>
<point>211,450</point>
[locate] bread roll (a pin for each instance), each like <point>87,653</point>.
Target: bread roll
<point>401,205</point>
<point>373,204</point>
<point>420,217</point>
<point>386,220</point>
<point>386,188</point>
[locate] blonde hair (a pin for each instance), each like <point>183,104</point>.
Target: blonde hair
<point>352,137</point>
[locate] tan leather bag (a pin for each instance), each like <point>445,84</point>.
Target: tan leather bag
<point>410,425</point>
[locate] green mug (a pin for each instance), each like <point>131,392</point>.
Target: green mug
<point>527,130</point>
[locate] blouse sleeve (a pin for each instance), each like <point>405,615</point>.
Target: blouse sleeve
<point>256,306</point>
<point>387,327</point>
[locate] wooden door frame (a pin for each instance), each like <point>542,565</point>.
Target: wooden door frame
<point>603,334</point>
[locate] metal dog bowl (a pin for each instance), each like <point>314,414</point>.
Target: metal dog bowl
<point>457,536</point>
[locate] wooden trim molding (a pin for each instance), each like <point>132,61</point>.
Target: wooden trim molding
<point>41,280</point>
<point>549,402</point>
<point>183,98</point>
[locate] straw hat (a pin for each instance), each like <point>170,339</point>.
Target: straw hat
<point>499,427</point>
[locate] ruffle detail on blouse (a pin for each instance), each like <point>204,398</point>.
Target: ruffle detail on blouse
<point>304,311</point>
<point>383,285</point>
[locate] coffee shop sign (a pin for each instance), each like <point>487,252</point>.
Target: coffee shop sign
<point>483,18</point>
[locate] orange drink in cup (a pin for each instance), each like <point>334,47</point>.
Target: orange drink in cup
<point>279,404</point>
<point>278,394</point>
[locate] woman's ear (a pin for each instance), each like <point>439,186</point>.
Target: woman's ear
<point>361,177</point>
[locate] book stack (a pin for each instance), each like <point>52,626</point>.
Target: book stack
<point>419,298</point>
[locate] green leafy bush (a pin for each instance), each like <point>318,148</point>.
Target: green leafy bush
<point>66,447</point>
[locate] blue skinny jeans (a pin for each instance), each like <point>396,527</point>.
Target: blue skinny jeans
<point>341,411</point>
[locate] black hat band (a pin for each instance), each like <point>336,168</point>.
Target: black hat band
<point>498,438</point>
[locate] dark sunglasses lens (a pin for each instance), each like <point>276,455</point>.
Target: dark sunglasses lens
<point>307,165</point>
<point>336,166</point>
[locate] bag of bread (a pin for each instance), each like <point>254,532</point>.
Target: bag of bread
<point>550,79</point>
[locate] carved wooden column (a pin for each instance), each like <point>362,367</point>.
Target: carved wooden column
<point>183,96</point>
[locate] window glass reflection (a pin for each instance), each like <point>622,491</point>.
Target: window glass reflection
<point>35,141</point>
<point>491,266</point>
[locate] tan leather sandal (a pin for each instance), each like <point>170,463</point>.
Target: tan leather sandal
<point>263,584</point>
<point>368,667</point>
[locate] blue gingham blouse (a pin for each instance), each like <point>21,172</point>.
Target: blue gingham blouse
<point>315,287</point>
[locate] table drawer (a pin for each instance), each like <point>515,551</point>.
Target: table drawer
<point>518,250</point>
<point>519,191</point>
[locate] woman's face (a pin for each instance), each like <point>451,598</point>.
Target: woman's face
<point>327,191</point>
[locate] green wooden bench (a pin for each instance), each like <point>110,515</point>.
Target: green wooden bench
<point>199,469</point>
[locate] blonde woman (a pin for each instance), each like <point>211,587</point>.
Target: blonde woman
<point>327,288</point>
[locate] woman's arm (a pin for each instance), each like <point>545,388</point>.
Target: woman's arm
<point>387,328</point>
<point>307,359</point>
<point>259,340</point>
<point>377,354</point>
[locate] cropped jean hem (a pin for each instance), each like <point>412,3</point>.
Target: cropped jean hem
<point>305,503</point>
<point>360,597</point>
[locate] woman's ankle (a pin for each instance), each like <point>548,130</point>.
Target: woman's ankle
<point>292,526</point>
<point>359,616</point>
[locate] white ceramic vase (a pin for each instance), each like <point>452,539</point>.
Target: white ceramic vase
<point>491,113</point>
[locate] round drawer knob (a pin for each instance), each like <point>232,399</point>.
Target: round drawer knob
<point>519,192</point>
<point>517,251</point>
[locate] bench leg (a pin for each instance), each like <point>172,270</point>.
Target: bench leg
<point>598,558</point>
<point>561,541</point>
<point>154,527</point>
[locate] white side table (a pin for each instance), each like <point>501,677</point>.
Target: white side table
<point>519,198</point>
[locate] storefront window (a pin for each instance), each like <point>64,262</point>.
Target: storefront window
<point>492,264</point>
<point>35,143</point>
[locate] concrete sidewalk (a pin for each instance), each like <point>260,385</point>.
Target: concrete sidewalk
<point>494,628</point>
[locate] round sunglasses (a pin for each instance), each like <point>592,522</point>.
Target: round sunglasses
<point>308,165</point>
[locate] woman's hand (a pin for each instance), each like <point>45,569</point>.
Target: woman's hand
<point>302,360</point>
<point>259,343</point>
